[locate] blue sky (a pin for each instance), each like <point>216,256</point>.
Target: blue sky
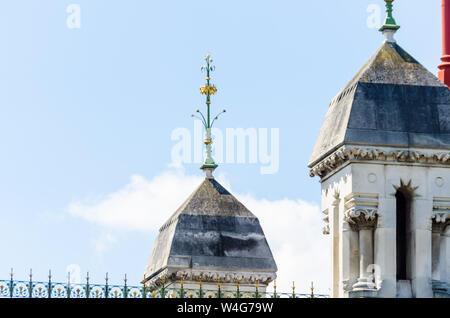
<point>84,110</point>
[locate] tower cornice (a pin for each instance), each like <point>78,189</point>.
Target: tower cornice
<point>357,153</point>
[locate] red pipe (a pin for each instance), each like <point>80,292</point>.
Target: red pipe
<point>444,73</point>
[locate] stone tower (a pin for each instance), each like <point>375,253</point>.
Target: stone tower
<point>212,240</point>
<point>383,158</point>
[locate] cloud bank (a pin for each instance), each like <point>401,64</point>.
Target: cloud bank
<point>293,228</point>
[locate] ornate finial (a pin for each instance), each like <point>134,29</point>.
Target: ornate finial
<point>390,26</point>
<point>208,90</point>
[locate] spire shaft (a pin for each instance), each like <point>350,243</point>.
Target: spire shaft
<point>209,165</point>
<point>389,22</point>
<point>390,26</point>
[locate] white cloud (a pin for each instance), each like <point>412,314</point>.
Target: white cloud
<point>293,228</point>
<point>104,242</point>
<point>141,205</point>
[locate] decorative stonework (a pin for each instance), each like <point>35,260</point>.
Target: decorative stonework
<point>355,153</point>
<point>207,276</point>
<point>440,221</point>
<point>406,188</point>
<point>372,177</point>
<point>439,181</point>
<point>361,218</point>
<point>361,210</point>
<point>441,214</point>
<point>326,228</point>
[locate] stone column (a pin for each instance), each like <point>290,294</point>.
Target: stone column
<point>435,254</point>
<point>364,222</point>
<point>445,254</point>
<point>440,262</point>
<point>335,247</point>
<point>365,253</point>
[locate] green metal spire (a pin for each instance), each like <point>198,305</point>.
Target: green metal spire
<point>389,23</point>
<point>208,90</point>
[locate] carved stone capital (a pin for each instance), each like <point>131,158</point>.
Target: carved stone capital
<point>440,221</point>
<point>361,218</point>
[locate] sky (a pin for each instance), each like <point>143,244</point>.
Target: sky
<point>94,96</point>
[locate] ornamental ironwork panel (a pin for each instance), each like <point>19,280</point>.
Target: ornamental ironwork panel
<point>34,289</point>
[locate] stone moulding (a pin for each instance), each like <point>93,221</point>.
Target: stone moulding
<point>206,276</point>
<point>348,152</point>
<point>361,210</point>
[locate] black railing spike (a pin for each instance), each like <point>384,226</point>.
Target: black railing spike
<point>49,284</point>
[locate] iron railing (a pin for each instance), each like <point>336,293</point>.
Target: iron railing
<point>34,289</point>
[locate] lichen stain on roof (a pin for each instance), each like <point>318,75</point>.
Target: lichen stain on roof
<point>393,65</point>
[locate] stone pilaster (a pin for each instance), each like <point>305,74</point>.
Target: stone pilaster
<point>440,259</point>
<point>364,222</point>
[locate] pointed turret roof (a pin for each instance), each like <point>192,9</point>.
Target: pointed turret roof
<point>213,231</point>
<point>392,101</point>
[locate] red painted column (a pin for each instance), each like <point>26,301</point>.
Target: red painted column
<point>444,68</point>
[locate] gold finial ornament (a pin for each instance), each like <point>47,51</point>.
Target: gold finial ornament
<point>208,90</point>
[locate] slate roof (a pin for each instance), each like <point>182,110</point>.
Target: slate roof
<point>392,101</point>
<point>211,229</point>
